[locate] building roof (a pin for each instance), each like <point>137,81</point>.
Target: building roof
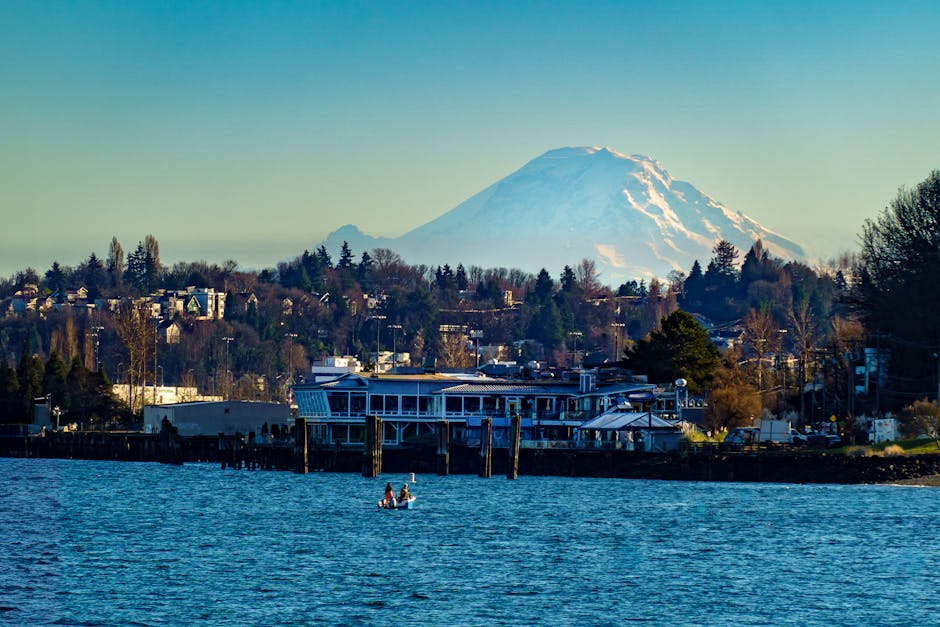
<point>511,387</point>
<point>622,417</point>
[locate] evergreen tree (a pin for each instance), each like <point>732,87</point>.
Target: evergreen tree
<point>324,257</point>
<point>77,390</point>
<point>569,282</point>
<point>461,278</point>
<point>365,270</point>
<point>345,258</point>
<point>10,409</point>
<point>55,278</point>
<point>694,292</point>
<point>900,265</point>
<point>680,348</point>
<point>543,289</point>
<point>29,374</point>
<point>55,381</point>
<point>136,271</point>
<point>94,277</point>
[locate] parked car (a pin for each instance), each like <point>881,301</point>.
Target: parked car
<point>821,440</point>
<point>740,437</point>
<point>798,438</point>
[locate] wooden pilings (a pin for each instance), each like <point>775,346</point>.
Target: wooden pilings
<point>443,448</point>
<point>301,451</point>
<point>372,451</point>
<point>486,447</point>
<point>515,433</point>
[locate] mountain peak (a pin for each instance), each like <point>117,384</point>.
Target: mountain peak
<point>627,213</point>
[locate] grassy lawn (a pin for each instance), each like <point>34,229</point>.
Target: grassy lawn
<point>911,447</point>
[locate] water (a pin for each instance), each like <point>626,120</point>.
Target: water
<point>99,543</point>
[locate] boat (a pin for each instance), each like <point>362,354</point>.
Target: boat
<point>406,504</point>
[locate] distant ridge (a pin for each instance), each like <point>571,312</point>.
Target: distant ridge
<point>626,212</point>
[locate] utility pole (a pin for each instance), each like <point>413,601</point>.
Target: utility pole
<point>618,330</point>
<point>574,353</point>
<point>378,325</point>
<point>395,329</point>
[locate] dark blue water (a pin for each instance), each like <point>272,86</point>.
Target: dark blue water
<point>97,543</point>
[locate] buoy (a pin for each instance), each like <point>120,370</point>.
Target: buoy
<point>412,477</point>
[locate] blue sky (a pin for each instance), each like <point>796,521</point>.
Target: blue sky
<point>250,130</point>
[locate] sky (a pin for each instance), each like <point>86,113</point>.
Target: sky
<point>250,130</point>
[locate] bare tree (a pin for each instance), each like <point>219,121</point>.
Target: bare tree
<point>131,323</point>
<point>803,327</point>
<point>452,349</point>
<point>115,265</point>
<point>587,277</point>
<point>761,335</point>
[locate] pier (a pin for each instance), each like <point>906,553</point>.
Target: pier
<point>247,452</point>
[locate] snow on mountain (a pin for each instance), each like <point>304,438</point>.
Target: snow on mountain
<point>625,212</point>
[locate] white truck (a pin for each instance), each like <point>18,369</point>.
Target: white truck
<point>775,432</point>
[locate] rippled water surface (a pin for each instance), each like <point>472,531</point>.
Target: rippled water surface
<point>98,543</point>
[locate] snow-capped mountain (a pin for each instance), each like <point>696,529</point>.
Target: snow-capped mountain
<point>625,212</point>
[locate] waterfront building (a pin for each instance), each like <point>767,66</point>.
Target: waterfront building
<point>411,405</point>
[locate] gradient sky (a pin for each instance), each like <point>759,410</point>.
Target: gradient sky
<point>250,130</point>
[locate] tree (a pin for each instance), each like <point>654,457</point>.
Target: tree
<point>115,264</point>
<point>30,375</point>
<point>55,382</point>
<point>345,258</point>
<point>694,289</point>
<point>461,278</point>
<point>364,273</point>
<point>544,287</point>
<point>680,349</point>
<point>10,410</point>
<point>324,257</point>
<point>55,277</point>
<point>132,326</point>
<point>923,418</point>
<point>94,276</point>
<point>587,277</point>
<point>732,402</point>
<point>900,263</point>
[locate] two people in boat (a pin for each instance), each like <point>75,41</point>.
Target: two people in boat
<point>390,500</point>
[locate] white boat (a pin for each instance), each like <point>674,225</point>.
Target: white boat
<point>406,504</point>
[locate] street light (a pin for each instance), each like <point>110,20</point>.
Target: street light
<point>476,334</point>
<point>395,329</point>
<point>781,362</point>
<point>290,357</point>
<point>574,354</point>
<point>95,332</point>
<point>225,391</point>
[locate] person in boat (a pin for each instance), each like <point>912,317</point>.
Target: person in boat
<point>404,494</point>
<point>389,499</point>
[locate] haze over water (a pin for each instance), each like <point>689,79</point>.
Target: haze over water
<point>99,543</point>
